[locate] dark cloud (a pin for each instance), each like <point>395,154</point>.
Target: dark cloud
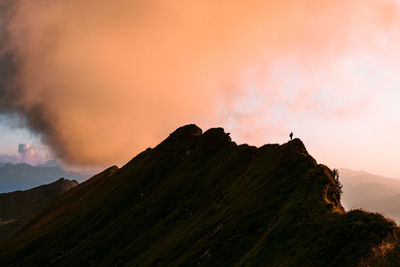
<point>9,91</point>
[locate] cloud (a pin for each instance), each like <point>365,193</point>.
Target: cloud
<point>26,154</point>
<point>101,80</point>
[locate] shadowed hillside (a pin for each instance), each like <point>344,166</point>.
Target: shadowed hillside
<point>17,207</point>
<point>198,198</point>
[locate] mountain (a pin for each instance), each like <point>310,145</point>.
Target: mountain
<point>17,207</point>
<point>200,199</point>
<point>50,163</point>
<point>371,192</point>
<point>23,176</point>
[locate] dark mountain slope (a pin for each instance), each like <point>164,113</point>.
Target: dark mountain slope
<point>198,198</point>
<point>17,207</point>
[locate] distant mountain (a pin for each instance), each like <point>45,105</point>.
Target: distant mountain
<point>24,176</point>
<point>200,199</point>
<point>50,163</point>
<point>371,192</point>
<point>17,207</point>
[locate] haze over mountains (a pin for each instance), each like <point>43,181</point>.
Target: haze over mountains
<point>371,192</point>
<point>23,176</point>
<point>199,199</point>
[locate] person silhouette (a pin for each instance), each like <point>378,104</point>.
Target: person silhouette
<point>291,135</point>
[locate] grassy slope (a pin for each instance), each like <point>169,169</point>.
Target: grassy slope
<point>17,207</point>
<point>200,198</point>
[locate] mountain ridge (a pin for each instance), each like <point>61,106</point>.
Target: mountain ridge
<point>199,198</point>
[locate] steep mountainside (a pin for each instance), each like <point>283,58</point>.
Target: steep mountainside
<point>17,207</point>
<point>198,198</point>
<point>24,176</point>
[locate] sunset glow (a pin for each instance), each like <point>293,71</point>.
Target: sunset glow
<point>100,81</point>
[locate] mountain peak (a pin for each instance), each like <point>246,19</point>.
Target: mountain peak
<point>185,133</point>
<point>215,138</point>
<point>217,133</point>
<point>66,182</point>
<point>297,144</point>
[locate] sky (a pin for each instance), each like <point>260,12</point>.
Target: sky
<point>93,83</point>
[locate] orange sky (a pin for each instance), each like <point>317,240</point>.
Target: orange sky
<point>102,80</point>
